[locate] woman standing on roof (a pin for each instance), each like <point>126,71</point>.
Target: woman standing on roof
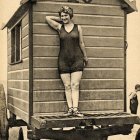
<point>72,56</point>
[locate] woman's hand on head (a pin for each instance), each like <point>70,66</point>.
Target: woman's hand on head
<point>53,21</point>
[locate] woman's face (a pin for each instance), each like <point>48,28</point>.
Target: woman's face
<point>65,18</point>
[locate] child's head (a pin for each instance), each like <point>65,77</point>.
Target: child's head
<point>137,87</point>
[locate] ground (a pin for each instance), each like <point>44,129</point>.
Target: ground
<point>126,137</point>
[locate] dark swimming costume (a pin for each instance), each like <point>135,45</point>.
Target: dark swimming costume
<point>70,55</point>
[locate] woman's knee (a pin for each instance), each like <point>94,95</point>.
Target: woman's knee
<point>67,86</point>
<point>75,86</point>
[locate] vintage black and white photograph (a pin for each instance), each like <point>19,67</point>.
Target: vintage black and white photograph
<point>69,70</point>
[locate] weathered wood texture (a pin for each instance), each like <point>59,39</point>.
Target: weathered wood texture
<point>105,31</point>
<point>20,66</point>
<point>18,75</point>
<point>99,105</point>
<point>44,96</point>
<point>95,52</point>
<point>104,2</point>
<point>80,8</point>
<point>18,84</point>
<point>18,103</point>
<point>18,93</point>
<point>51,62</point>
<point>86,84</point>
<point>102,84</point>
<point>18,112</point>
<point>88,73</point>
<point>98,20</point>
<point>91,41</point>
<point>90,100</point>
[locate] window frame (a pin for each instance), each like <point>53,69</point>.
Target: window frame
<point>16,44</point>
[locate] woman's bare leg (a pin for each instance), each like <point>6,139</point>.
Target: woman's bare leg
<point>66,78</point>
<point>75,81</point>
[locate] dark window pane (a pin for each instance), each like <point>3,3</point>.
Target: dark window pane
<point>18,42</point>
<point>13,46</point>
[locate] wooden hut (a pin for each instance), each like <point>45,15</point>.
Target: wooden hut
<point>34,86</point>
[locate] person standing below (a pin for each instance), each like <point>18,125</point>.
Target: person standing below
<point>135,108</point>
<point>134,100</point>
<point>72,56</point>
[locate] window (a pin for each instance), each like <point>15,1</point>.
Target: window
<point>16,44</point>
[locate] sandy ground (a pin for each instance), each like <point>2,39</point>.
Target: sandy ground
<point>131,136</point>
<point>126,137</point>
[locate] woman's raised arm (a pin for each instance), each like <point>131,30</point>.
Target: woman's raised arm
<point>54,22</point>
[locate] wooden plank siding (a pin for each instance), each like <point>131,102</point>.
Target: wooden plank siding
<point>88,73</point>
<point>102,2</point>
<point>105,94</point>
<point>19,84</point>
<point>25,30</point>
<point>51,62</point>
<point>18,76</point>
<point>18,93</point>
<point>90,41</point>
<point>25,52</point>
<point>61,106</point>
<point>86,9</point>
<point>106,31</point>
<point>25,20</point>
<point>19,66</point>
<point>102,84</point>
<point>86,84</point>
<point>99,20</point>
<point>23,105</point>
<point>25,41</point>
<point>8,43</point>
<point>24,55</point>
<point>18,112</point>
<point>96,52</point>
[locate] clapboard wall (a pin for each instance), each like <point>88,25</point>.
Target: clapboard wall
<point>102,84</point>
<point>18,74</point>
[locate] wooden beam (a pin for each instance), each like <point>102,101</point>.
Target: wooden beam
<point>81,134</point>
<point>30,62</point>
<point>102,2</point>
<point>132,4</point>
<point>23,1</point>
<point>88,120</point>
<point>33,1</point>
<point>129,6</point>
<point>84,9</point>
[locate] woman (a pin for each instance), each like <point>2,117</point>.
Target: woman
<point>72,56</point>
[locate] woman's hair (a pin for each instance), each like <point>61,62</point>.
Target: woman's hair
<point>137,86</point>
<point>67,10</point>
